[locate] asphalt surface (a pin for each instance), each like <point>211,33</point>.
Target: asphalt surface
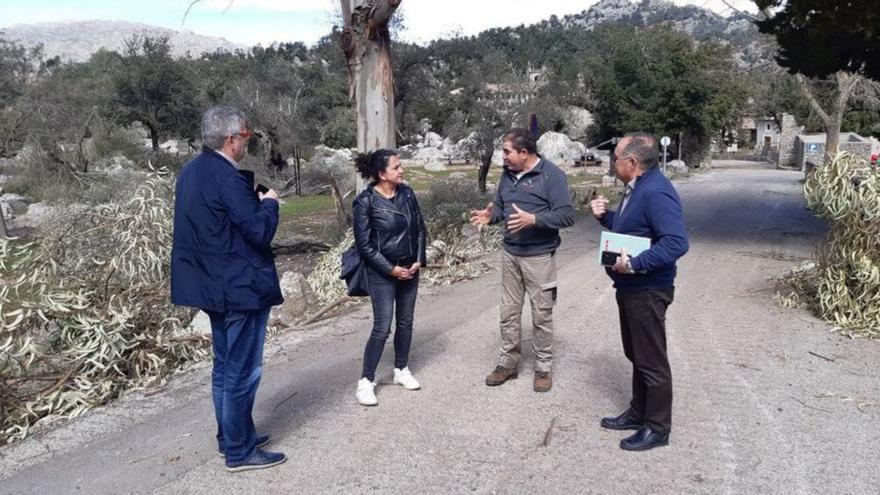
<point>767,400</point>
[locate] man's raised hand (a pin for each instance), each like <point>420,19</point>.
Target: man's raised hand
<point>520,220</point>
<point>479,218</point>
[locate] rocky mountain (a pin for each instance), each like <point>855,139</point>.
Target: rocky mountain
<point>737,29</point>
<point>77,41</point>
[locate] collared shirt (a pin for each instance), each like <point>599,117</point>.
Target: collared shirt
<point>228,158</point>
<point>627,192</point>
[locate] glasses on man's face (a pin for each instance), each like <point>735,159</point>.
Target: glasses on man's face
<point>243,135</point>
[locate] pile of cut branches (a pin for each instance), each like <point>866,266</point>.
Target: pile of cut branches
<point>85,311</point>
<point>843,285</point>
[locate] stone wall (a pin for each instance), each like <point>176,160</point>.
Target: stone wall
<point>860,149</point>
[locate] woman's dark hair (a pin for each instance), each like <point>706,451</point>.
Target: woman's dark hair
<point>370,164</point>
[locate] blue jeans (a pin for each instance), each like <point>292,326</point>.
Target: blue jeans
<point>238,366</point>
<point>390,298</point>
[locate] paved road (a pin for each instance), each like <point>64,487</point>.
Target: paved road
<point>757,410</point>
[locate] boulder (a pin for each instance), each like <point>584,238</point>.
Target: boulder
<point>15,202</point>
<point>560,149</point>
<point>407,152</point>
<point>200,325</point>
<point>114,164</point>
<point>324,154</point>
<point>577,121</point>
<point>431,140</point>
<point>430,155</point>
<point>171,146</point>
<point>435,167</point>
<point>42,214</point>
<point>458,175</point>
<point>448,148</point>
<point>298,299</point>
<point>677,165</point>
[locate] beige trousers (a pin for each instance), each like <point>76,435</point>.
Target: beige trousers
<point>535,276</point>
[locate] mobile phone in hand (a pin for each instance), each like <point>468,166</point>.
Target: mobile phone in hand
<point>261,189</point>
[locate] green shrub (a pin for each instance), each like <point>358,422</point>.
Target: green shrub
<point>447,204</point>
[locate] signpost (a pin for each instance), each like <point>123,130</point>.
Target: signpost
<point>664,141</point>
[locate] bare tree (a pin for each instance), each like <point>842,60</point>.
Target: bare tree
<point>848,88</point>
<point>366,42</point>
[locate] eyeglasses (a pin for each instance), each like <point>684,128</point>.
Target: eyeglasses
<point>243,135</point>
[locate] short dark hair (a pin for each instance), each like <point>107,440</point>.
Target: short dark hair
<point>643,147</point>
<point>370,164</point>
<point>521,139</point>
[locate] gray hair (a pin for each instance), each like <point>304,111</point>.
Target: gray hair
<point>220,122</point>
<point>643,147</point>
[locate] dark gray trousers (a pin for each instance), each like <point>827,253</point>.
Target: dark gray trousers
<point>643,330</point>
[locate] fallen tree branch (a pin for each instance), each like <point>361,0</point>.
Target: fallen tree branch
<point>320,314</point>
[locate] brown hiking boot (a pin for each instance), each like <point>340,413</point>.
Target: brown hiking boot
<point>500,375</point>
<point>543,381</point>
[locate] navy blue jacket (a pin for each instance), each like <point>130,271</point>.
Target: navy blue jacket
<point>389,232</point>
<point>653,210</point>
<point>543,191</point>
<point>221,259</point>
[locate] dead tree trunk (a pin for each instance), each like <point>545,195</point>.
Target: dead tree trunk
<point>366,42</point>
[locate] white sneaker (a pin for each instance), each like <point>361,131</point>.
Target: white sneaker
<point>405,378</point>
<point>365,393</point>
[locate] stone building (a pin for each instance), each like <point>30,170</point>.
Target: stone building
<point>759,133</point>
<point>505,95</point>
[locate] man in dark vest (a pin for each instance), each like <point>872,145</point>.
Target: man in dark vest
<point>650,208</point>
<point>221,263</point>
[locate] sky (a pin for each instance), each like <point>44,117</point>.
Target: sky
<point>249,22</point>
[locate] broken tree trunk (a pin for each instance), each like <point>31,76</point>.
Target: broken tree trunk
<point>366,42</point>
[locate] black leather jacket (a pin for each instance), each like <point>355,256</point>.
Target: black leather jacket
<point>389,232</point>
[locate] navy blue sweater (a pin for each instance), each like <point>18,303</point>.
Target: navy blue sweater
<point>653,210</point>
<point>542,191</point>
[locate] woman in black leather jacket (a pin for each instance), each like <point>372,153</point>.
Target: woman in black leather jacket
<point>389,232</point>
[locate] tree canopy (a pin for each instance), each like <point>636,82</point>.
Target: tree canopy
<point>819,37</point>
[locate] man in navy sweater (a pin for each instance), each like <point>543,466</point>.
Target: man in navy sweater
<point>650,207</point>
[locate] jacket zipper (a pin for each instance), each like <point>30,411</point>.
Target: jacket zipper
<point>408,226</point>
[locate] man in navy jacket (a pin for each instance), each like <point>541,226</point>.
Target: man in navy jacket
<point>222,263</point>
<point>651,208</point>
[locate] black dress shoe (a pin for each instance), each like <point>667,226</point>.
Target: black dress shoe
<point>644,439</point>
<point>625,421</point>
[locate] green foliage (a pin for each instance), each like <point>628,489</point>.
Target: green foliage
<point>154,89</point>
<point>85,311</point>
<point>446,206</point>
<point>843,286</point>
<point>818,38</point>
<point>661,81</point>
